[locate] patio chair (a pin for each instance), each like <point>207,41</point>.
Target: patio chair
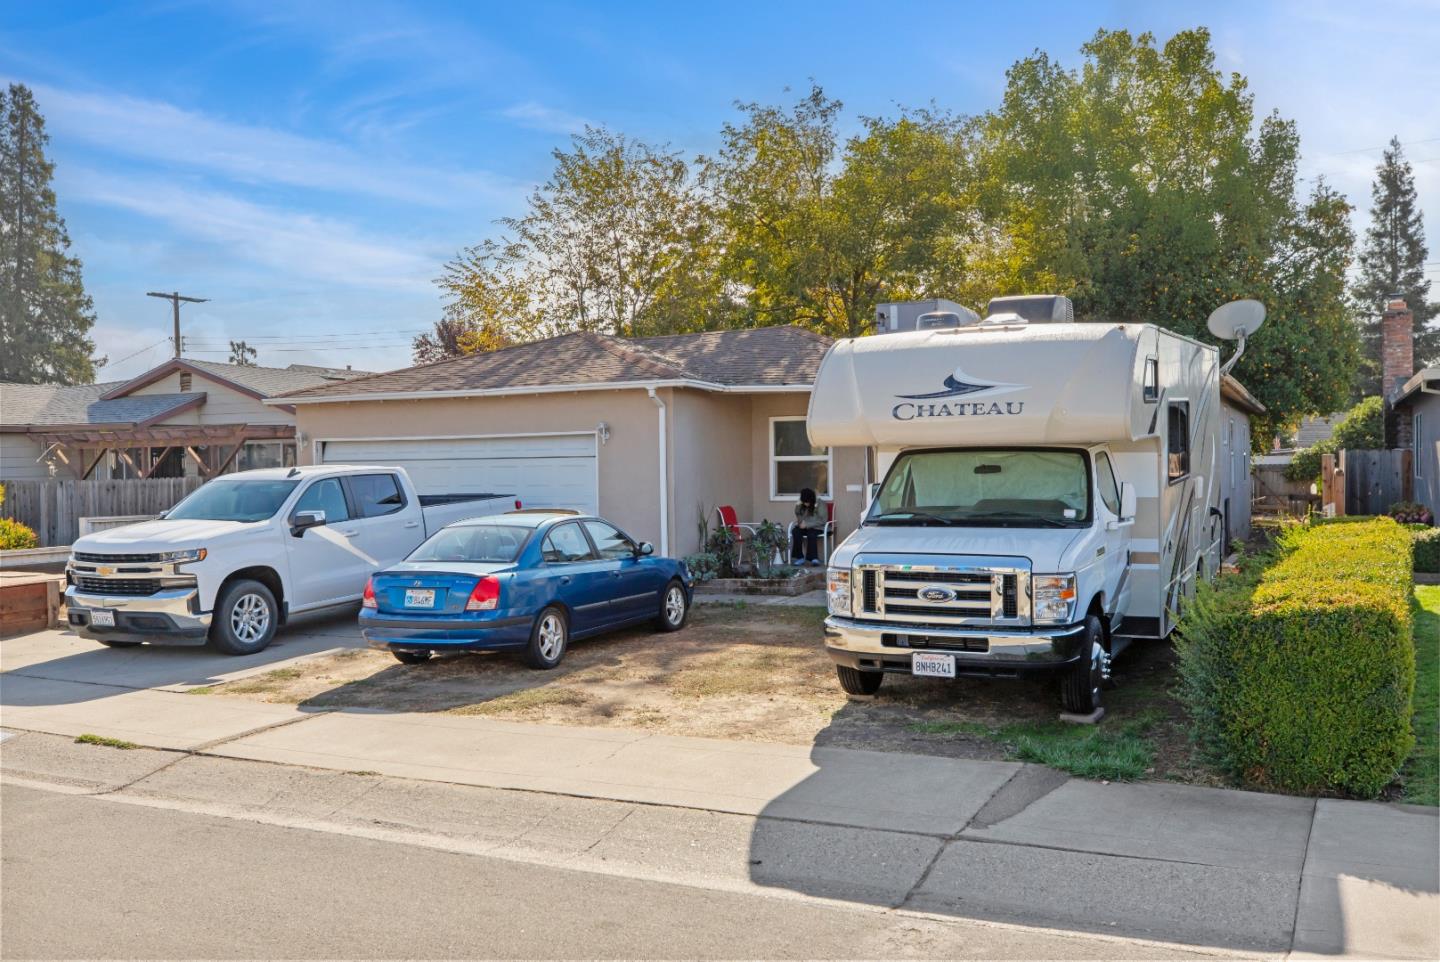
<point>827,532</point>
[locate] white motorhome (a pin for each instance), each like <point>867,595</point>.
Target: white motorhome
<point>1049,491</point>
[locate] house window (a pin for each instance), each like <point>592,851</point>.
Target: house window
<point>265,454</point>
<point>184,382</point>
<point>795,463</point>
<point>1178,439</point>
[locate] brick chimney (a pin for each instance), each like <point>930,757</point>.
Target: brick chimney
<point>1397,346</point>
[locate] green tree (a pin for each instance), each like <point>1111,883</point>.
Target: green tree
<point>1142,186</point>
<point>619,240</point>
<point>817,233</point>
<point>1392,261</point>
<point>242,354</point>
<point>45,314</point>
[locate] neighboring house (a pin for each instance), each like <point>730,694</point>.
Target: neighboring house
<point>184,418</point>
<point>1417,402</point>
<point>1237,486</point>
<point>652,433</point>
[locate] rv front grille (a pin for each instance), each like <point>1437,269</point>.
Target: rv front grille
<point>117,586</point>
<point>1009,597</point>
<point>934,642</point>
<point>867,581</point>
<point>943,596</point>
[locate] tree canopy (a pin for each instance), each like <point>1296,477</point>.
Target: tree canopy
<point>45,314</point>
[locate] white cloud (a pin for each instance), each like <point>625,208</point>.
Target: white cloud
<point>293,244</point>
<point>161,132</point>
<point>537,116</point>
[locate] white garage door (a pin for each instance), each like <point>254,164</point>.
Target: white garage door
<point>553,471</point>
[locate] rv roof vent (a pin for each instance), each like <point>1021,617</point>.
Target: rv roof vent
<point>1035,308</point>
<point>939,319</point>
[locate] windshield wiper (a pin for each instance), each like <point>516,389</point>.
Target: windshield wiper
<point>1018,516</point>
<point>922,517</point>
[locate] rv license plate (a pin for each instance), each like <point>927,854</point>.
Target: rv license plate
<point>420,598</point>
<point>932,665</point>
<point>102,619</point>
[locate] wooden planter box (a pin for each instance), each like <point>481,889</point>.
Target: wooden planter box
<point>809,580</point>
<point>28,602</point>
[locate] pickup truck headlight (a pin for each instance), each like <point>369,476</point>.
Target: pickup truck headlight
<point>180,557</point>
<point>1054,597</point>
<point>837,591</point>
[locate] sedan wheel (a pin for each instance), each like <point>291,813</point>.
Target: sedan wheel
<point>548,639</point>
<point>674,607</point>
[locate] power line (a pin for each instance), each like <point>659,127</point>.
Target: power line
<point>110,363</point>
<point>1364,150</point>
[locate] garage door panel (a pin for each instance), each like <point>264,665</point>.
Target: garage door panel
<point>545,471</point>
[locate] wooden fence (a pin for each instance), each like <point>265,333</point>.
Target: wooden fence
<point>54,508</point>
<point>1374,480</point>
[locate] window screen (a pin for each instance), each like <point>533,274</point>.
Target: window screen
<point>1178,439</point>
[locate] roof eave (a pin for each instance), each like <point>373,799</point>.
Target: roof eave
<point>295,400</point>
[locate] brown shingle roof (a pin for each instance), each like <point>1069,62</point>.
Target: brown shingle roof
<point>761,356</point>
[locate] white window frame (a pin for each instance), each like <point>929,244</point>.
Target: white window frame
<point>1416,451</point>
<point>828,457</point>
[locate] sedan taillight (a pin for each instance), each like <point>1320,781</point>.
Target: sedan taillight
<point>486,596</point>
<point>369,600</point>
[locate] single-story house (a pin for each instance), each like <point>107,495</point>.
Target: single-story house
<point>653,433</point>
<point>184,418</point>
<point>1237,484</point>
<point>1417,405</point>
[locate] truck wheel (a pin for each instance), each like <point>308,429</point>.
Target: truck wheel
<point>857,682</point>
<point>1080,688</point>
<point>548,639</point>
<point>245,619</point>
<point>674,608</point>
<point>412,657</point>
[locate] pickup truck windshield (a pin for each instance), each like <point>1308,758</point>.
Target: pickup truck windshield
<point>223,500</point>
<point>985,488</point>
<point>482,543</point>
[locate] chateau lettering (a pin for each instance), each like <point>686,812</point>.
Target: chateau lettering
<point>909,412</point>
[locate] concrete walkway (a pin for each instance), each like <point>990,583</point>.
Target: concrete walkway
<point>997,842</point>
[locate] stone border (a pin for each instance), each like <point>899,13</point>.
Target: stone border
<point>789,587</point>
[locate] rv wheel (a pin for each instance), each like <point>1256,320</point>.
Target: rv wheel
<point>857,682</point>
<point>1080,689</point>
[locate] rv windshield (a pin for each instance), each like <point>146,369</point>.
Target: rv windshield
<point>978,487</point>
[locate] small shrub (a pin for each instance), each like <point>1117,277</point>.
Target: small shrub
<point>1410,512</point>
<point>768,543</point>
<point>1298,674</point>
<point>725,549</point>
<point>1362,430</point>
<point>702,566</point>
<point>1427,550</point>
<point>15,536</point>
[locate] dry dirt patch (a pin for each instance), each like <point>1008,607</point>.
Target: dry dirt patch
<point>746,672</point>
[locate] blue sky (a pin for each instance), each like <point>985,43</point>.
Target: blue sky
<point>310,166</point>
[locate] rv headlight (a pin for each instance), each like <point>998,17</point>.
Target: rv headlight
<point>1054,598</point>
<point>837,590</point>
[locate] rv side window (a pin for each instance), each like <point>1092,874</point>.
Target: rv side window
<point>1178,439</point>
<point>1109,490</point>
<point>1152,378</point>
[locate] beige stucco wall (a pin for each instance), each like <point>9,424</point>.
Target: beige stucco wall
<point>222,404</point>
<point>717,446</point>
<point>628,463</point>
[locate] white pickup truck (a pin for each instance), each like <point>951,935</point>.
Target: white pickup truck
<point>236,558</point>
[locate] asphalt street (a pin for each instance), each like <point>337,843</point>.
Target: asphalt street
<point>89,877</point>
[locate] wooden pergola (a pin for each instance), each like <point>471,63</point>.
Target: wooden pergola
<point>64,441</point>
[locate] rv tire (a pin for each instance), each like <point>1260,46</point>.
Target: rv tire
<point>857,682</point>
<point>1080,688</point>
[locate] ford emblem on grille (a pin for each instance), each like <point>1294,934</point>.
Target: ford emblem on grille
<point>937,594</point>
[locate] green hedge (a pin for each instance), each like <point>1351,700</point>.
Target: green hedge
<point>1298,674</point>
<point>1427,550</point>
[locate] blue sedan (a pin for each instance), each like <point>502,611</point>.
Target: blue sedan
<point>527,581</point>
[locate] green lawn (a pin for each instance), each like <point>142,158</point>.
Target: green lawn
<point>1421,774</point>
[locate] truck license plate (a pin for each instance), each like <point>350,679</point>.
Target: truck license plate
<point>420,598</point>
<point>102,619</point>
<point>932,665</point>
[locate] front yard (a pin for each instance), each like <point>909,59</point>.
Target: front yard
<point>759,673</point>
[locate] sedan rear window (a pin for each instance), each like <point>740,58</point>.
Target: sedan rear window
<point>481,543</point>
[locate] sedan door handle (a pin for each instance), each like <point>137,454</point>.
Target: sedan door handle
<point>564,579</point>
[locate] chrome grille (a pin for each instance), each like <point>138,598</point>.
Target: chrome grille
<point>117,586</point>
<point>943,595</point>
<point>115,559</point>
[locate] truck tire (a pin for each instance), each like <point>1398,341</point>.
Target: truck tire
<point>245,619</point>
<point>1080,688</point>
<point>857,682</point>
<point>548,639</point>
<point>674,607</point>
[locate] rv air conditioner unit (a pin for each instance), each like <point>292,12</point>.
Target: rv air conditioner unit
<point>894,316</point>
<point>939,319</point>
<point>1034,308</point>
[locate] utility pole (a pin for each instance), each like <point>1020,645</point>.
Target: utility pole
<point>175,298</point>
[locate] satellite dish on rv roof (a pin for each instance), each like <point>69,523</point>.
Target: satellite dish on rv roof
<point>1237,319</point>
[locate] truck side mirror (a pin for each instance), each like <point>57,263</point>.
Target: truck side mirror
<point>1127,501</point>
<point>303,521</point>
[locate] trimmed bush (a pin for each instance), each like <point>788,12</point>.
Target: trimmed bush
<point>14,535</point>
<point>1298,674</point>
<point>1427,550</point>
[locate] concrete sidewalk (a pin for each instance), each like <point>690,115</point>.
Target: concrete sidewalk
<point>988,841</point>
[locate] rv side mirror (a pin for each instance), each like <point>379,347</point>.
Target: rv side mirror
<point>303,521</point>
<point>1127,501</point>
